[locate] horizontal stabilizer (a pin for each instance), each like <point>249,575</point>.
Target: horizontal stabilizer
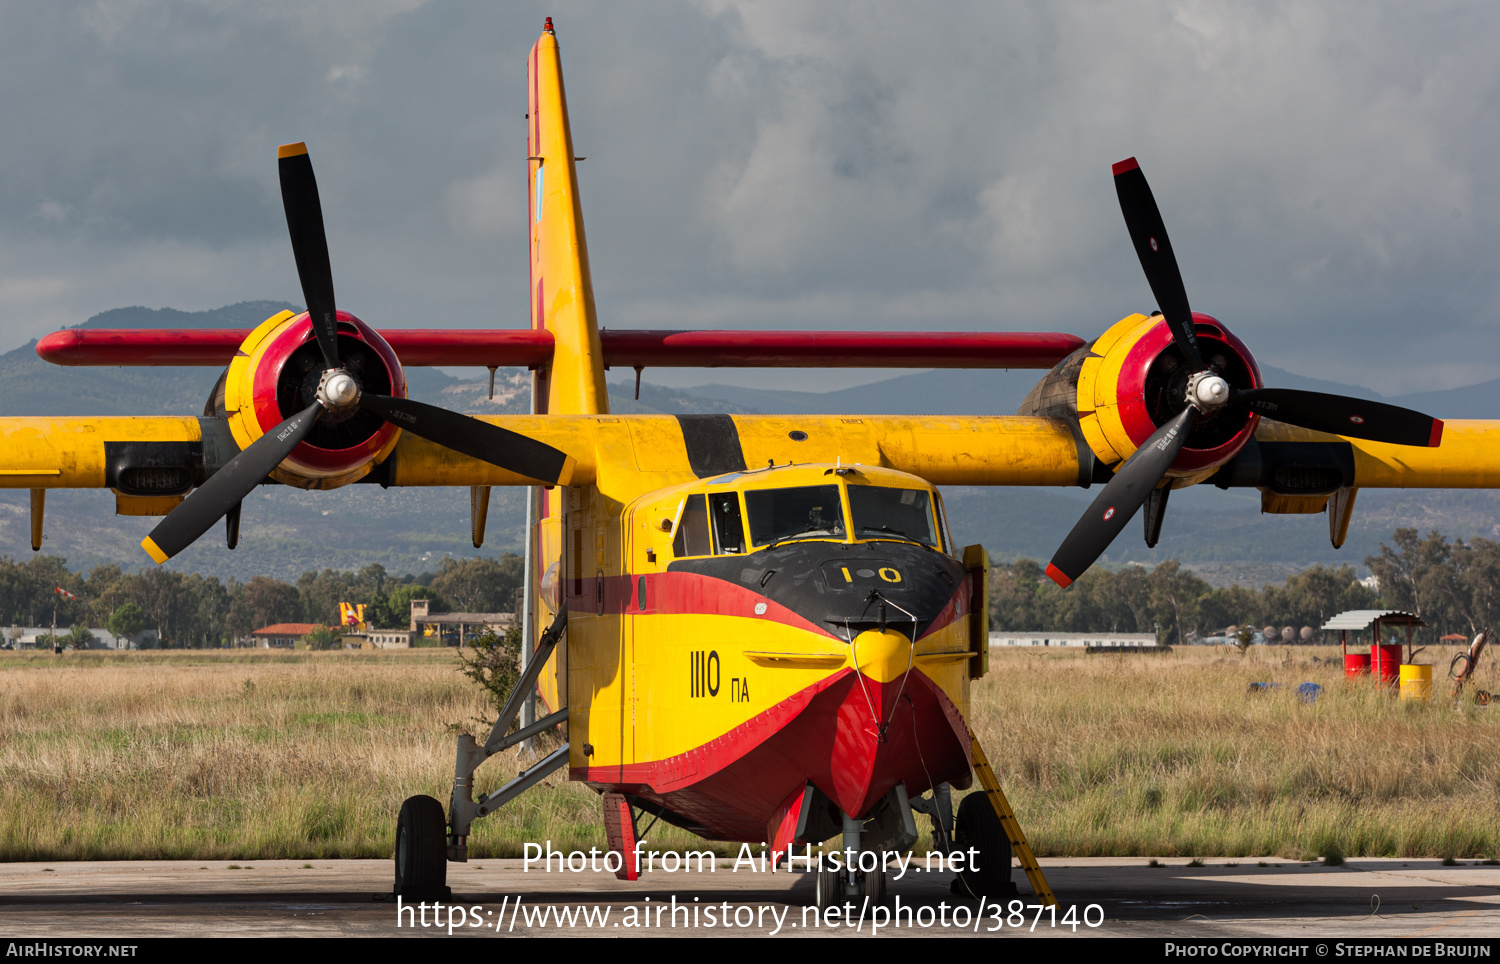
<point>500,348</point>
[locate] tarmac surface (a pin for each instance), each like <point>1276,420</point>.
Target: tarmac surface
<point>1366,899</point>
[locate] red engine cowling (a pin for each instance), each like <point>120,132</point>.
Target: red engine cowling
<point>275,374</point>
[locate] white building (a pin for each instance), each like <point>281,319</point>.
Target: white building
<point>1048,638</point>
<point>25,637</point>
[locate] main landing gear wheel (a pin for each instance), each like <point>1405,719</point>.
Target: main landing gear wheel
<point>874,887</point>
<point>835,888</point>
<point>422,851</point>
<point>830,889</point>
<point>979,827</point>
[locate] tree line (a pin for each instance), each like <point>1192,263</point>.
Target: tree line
<point>1454,586</point>
<point>191,610</point>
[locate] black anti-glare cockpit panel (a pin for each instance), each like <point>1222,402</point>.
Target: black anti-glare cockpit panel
<point>713,444</point>
<point>919,580</point>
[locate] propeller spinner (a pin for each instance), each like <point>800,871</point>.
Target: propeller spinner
<point>339,393</point>
<point>1207,393</point>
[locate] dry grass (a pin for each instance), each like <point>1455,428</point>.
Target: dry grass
<point>235,755</point>
<point>244,756</point>
<point>1129,755</point>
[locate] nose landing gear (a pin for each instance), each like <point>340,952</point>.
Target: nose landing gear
<point>422,851</point>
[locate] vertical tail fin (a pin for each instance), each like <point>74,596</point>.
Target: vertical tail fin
<point>562,301</point>
<point>562,292</point>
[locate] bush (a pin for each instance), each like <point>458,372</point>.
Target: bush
<point>495,664</point>
<point>79,637</point>
<point>324,637</point>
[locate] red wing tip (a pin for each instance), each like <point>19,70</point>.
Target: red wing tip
<point>1437,433</point>
<point>1056,575</point>
<point>1129,164</point>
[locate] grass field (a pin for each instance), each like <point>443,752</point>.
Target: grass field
<point>258,755</point>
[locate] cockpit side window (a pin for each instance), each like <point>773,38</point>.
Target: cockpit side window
<point>692,529</point>
<point>807,512</point>
<point>728,526</point>
<point>943,530</point>
<point>898,513</point>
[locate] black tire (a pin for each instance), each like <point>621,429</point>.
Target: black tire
<point>422,850</point>
<point>978,827</point>
<point>874,887</point>
<point>830,889</point>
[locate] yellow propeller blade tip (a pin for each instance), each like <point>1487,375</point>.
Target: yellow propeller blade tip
<point>153,551</point>
<point>291,150</point>
<point>566,475</point>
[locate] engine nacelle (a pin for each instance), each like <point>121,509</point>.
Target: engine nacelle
<point>275,374</point>
<point>1133,379</point>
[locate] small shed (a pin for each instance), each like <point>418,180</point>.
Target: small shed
<point>422,621</point>
<point>1360,620</point>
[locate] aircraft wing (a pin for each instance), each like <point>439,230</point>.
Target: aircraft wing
<point>92,453</point>
<point>671,449</point>
<point>1468,458</point>
<point>137,454</point>
<point>964,450</point>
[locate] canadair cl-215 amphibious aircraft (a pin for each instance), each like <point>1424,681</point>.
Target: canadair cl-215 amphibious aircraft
<point>769,634</point>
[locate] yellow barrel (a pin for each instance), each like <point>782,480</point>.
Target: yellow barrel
<point>1416,681</point>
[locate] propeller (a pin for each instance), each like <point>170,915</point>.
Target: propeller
<point>212,500</point>
<point>304,222</point>
<point>474,438</point>
<point>1207,393</point>
<point>339,393</point>
<point>1122,497</point>
<point>1149,235</point>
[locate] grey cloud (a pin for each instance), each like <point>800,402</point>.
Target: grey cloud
<point>1326,171</point>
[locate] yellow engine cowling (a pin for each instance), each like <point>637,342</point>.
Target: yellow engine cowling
<point>1133,379</point>
<point>275,374</point>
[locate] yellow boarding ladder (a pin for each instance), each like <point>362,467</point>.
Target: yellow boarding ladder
<point>1012,827</point>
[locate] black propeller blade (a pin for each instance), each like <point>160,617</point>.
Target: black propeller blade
<point>474,438</point>
<point>223,491</point>
<point>304,221</point>
<point>1118,503</point>
<point>1149,235</point>
<point>1339,415</point>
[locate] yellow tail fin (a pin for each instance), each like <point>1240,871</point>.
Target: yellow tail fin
<point>562,301</point>
<point>562,292</point>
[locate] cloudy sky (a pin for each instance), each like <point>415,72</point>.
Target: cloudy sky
<point>1328,171</point>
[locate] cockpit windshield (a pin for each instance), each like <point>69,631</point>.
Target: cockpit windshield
<point>802,512</point>
<point>894,513</point>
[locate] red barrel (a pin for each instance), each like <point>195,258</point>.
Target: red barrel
<point>1385,662</point>
<point>1356,665</point>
